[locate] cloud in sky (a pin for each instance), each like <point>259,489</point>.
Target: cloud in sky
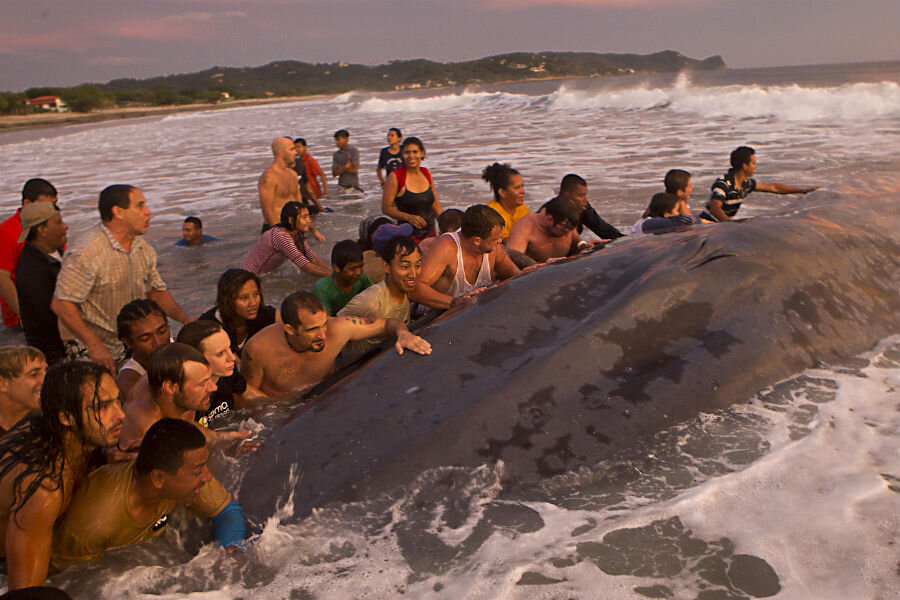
<point>172,27</point>
<point>104,61</point>
<point>61,42</point>
<point>515,4</point>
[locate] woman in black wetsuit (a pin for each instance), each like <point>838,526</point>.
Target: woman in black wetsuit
<point>409,195</point>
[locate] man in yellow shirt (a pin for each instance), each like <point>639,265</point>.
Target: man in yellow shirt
<point>129,502</point>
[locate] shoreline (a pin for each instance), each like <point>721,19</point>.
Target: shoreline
<point>53,120</point>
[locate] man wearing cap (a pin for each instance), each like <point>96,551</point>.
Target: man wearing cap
<point>44,234</point>
<point>35,190</point>
<point>108,268</point>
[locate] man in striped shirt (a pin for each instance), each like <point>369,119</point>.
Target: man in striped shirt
<point>728,192</point>
<point>108,269</point>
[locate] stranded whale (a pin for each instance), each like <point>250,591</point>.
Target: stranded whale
<point>569,364</point>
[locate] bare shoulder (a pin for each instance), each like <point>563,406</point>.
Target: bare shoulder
<point>263,341</point>
<point>442,248</point>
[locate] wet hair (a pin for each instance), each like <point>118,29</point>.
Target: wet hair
<point>412,140</point>
<point>135,311</point>
<point>563,210</point>
<point>37,187</point>
<point>38,443</point>
<point>662,203</point>
<point>291,306</point>
<point>570,182</point>
<point>740,156</point>
<point>114,195</point>
<point>397,131</point>
<point>399,246</point>
<point>33,231</point>
<point>676,180</point>
<point>167,364</point>
<point>341,133</point>
<point>227,290</point>
<point>498,175</point>
<point>196,221</point>
<point>13,360</point>
<point>450,220</point>
<point>165,444</point>
<point>300,141</point>
<point>195,332</point>
<point>479,220</point>
<point>344,253</point>
<point>290,212</point>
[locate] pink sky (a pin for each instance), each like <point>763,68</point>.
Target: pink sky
<point>58,42</point>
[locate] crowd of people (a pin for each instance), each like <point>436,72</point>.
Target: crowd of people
<point>107,422</point>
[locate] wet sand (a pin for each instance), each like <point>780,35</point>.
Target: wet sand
<point>43,120</point>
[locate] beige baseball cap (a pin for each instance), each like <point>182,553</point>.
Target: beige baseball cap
<point>35,213</point>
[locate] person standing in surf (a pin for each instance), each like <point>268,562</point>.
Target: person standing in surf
<point>729,191</point>
<point>409,195</point>
<point>278,185</point>
<point>308,169</point>
<point>345,163</point>
<point>285,242</point>
<point>390,158</point>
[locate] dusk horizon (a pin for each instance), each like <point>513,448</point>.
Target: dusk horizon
<point>60,44</point>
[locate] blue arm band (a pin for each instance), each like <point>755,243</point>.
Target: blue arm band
<point>229,525</point>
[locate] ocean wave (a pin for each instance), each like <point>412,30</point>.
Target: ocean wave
<point>465,100</point>
<point>791,102</point>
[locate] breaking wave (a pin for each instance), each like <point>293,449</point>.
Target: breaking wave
<point>787,102</point>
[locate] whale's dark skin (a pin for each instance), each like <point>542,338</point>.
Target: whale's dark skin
<point>566,365</point>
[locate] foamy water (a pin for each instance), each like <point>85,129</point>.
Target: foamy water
<point>802,480</point>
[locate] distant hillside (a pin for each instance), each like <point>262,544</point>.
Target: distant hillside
<point>294,78</point>
<point>298,78</point>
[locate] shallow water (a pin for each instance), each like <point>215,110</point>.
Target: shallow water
<point>793,494</point>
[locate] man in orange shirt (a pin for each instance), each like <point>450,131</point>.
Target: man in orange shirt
<point>308,168</point>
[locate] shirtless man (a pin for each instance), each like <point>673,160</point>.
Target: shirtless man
<point>278,184</point>
<point>42,459</point>
<point>464,260</point>
<point>551,233</point>
<point>180,384</point>
<point>299,353</point>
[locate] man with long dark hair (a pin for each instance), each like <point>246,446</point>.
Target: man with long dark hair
<point>43,458</point>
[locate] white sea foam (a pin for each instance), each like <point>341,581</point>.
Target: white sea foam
<point>791,102</point>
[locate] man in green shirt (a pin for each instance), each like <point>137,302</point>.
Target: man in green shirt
<point>346,280</point>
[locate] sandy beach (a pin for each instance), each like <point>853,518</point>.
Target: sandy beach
<point>53,119</point>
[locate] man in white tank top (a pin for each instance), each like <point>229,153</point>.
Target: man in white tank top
<point>463,261</point>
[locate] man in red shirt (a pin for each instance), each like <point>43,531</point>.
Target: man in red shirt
<point>313,170</point>
<point>35,190</point>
